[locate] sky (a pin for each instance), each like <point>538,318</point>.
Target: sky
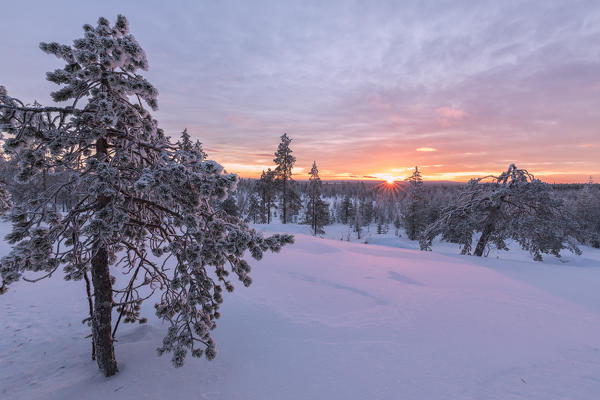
<point>366,89</point>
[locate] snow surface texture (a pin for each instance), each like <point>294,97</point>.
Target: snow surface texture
<point>329,319</point>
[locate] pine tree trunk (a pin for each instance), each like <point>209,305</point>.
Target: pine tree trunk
<point>102,319</point>
<point>103,300</point>
<point>284,201</point>
<point>315,216</point>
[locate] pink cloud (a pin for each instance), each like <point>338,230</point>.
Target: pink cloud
<point>448,116</point>
<point>451,113</point>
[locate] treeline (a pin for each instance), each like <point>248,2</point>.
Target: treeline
<point>543,218</point>
<point>410,208</point>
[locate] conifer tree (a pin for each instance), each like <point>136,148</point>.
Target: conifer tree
<point>254,210</point>
<point>587,208</point>
<point>358,223</point>
<point>317,211</point>
<point>141,200</point>
<point>294,203</point>
<point>346,210</point>
<point>266,189</point>
<point>414,214</point>
<point>366,210</point>
<point>284,161</point>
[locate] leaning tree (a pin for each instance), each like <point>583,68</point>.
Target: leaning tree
<point>513,205</point>
<point>142,204</point>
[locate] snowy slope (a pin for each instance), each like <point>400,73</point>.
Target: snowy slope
<point>328,319</point>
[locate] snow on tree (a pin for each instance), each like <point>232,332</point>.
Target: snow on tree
<point>254,210</point>
<point>5,199</point>
<point>294,203</point>
<point>415,208</point>
<point>266,189</point>
<point>587,208</point>
<point>284,161</point>
<point>143,204</point>
<point>5,196</point>
<point>513,205</point>
<point>346,210</point>
<point>358,220</point>
<point>317,211</point>
<point>366,210</point>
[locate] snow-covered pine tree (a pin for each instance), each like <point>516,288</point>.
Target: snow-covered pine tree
<point>141,200</point>
<point>294,203</point>
<point>254,210</point>
<point>284,161</point>
<point>5,199</point>
<point>513,205</point>
<point>317,211</point>
<point>229,205</point>
<point>397,225</point>
<point>5,196</point>
<point>587,208</point>
<point>266,190</point>
<point>366,210</point>
<point>346,210</point>
<point>414,207</point>
<point>358,223</point>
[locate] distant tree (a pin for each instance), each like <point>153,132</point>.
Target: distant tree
<point>266,190</point>
<point>254,210</point>
<point>140,199</point>
<point>317,211</point>
<point>294,203</point>
<point>284,161</point>
<point>358,223</point>
<point>415,210</point>
<point>587,209</point>
<point>513,205</point>
<point>397,225</point>
<point>366,210</point>
<point>346,210</point>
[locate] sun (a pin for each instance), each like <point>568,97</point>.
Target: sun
<point>388,179</point>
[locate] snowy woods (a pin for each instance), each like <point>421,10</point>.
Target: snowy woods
<point>479,215</point>
<point>109,193</point>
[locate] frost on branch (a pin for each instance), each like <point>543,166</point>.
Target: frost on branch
<point>138,204</point>
<point>514,206</point>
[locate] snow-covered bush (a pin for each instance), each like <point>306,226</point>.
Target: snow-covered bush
<point>143,204</point>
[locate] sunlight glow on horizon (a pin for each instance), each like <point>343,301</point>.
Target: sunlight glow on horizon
<point>391,177</point>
